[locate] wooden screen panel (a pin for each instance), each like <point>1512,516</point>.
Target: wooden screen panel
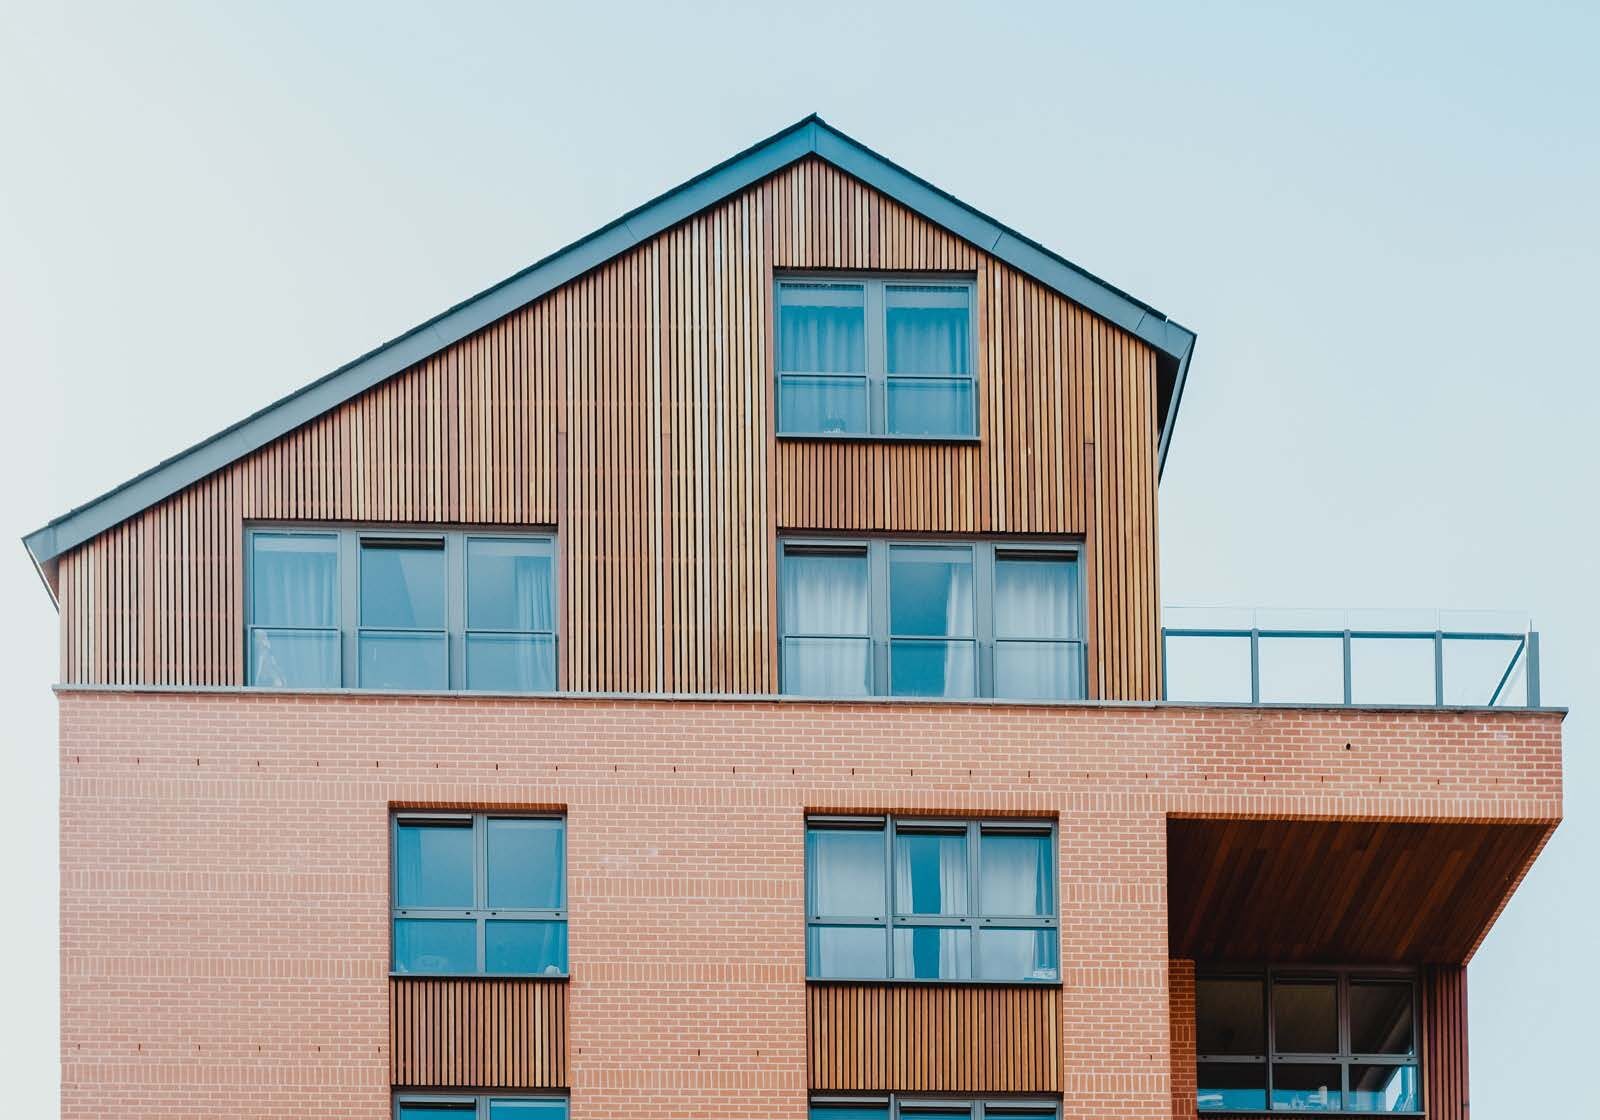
<point>632,410</point>
<point>478,1033</point>
<point>1444,1042</point>
<point>934,1038</point>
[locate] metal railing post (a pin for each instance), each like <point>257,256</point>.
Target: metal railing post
<point>1348,691</point>
<point>1255,665</point>
<point>1533,668</point>
<point>1438,667</point>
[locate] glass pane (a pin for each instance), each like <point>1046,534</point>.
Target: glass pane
<point>939,406</point>
<point>1208,669</point>
<point>1232,1086</point>
<point>294,580</point>
<point>928,328</point>
<point>1017,954</point>
<point>847,869</point>
<point>1305,1016</point>
<point>294,658</point>
<point>1383,1089</point>
<point>847,952</point>
<point>527,862</point>
<point>930,873</point>
<point>850,1112</point>
<point>1306,1088</point>
<point>1036,598</point>
<point>525,948</point>
<point>433,866</point>
<point>1230,1017</point>
<point>1015,874</point>
<point>1391,670</point>
<point>1380,1017</point>
<point>1038,670</point>
<point>932,953</point>
<point>402,586</point>
<point>832,405</point>
<point>403,661</point>
<point>1478,670</point>
<point>924,668</point>
<point>1302,670</point>
<point>431,1111</point>
<point>822,328</point>
<point>527,1110</point>
<point>443,945</point>
<point>825,593</point>
<point>509,585</point>
<point>511,663</point>
<point>930,592</point>
<point>827,666</point>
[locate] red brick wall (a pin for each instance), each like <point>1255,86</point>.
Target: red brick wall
<point>224,871</point>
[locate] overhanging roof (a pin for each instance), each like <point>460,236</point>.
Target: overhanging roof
<point>812,136</point>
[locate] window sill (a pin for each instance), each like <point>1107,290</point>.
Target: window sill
<point>561,977</point>
<point>876,437</point>
<point>905,982</point>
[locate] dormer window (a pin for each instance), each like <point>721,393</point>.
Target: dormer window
<point>859,356</point>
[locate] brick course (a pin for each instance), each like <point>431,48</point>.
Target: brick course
<point>224,889</point>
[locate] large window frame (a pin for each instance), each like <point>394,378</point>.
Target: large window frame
<point>893,917</point>
<point>349,541</point>
<point>985,551</point>
<point>1342,976</point>
<point>917,1106</point>
<point>475,1105</point>
<point>876,376</point>
<point>480,913</point>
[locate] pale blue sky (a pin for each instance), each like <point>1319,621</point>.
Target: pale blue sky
<point>1380,219</point>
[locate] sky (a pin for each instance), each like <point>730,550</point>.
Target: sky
<point>1379,218</point>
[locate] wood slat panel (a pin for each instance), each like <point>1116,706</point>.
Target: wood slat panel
<point>1444,1043</point>
<point>478,1033</point>
<point>633,410</point>
<point>934,1038</point>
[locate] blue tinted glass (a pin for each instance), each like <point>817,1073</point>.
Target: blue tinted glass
<point>294,580</point>
<point>847,872</point>
<point>927,329</point>
<point>1015,874</point>
<point>509,585</point>
<point>849,1112</point>
<point>827,666</point>
<point>847,952</point>
<point>1036,598</point>
<point>444,945</point>
<point>435,1111</point>
<point>1232,1086</point>
<point>932,953</point>
<point>526,948</point>
<point>527,862</point>
<point>1038,670</point>
<point>527,1110</point>
<point>831,405</point>
<point>930,406</point>
<point>930,873</point>
<point>402,586</point>
<point>1306,1088</point>
<point>399,660</point>
<point>930,591</point>
<point>1017,954</point>
<point>511,663</point>
<point>825,592</point>
<point>822,328</point>
<point>294,658</point>
<point>924,668</point>
<point>433,866</point>
<point>1383,1089</point>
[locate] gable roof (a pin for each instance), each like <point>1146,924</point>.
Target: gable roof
<point>811,136</point>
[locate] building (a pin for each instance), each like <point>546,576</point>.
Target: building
<point>719,672</point>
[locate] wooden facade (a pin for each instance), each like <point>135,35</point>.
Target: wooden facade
<point>477,1033</point>
<point>1444,1043</point>
<point>632,410</point>
<point>934,1038</point>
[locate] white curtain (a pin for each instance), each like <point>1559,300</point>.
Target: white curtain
<point>847,873</point>
<point>294,590</point>
<point>960,664</point>
<point>930,873</point>
<point>928,329</point>
<point>1036,627</point>
<point>1016,875</point>
<point>825,611</point>
<point>821,329</point>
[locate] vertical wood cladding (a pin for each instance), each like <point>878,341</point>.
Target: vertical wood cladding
<point>632,409</point>
<point>1444,1043</point>
<point>934,1038</point>
<point>478,1033</point>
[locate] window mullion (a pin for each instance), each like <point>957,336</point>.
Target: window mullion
<point>877,361</point>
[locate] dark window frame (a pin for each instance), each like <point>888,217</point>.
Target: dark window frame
<point>349,539</point>
<point>1347,1061</point>
<point>974,919</point>
<point>914,1105</point>
<point>874,285</point>
<point>480,913</point>
<point>986,552</point>
<point>473,1104</point>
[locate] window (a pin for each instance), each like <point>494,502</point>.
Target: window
<point>893,1107</point>
<point>429,1106</point>
<point>903,618</point>
<point>904,899</point>
<point>479,893</point>
<point>1307,1040</point>
<point>859,356</point>
<point>371,608</point>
